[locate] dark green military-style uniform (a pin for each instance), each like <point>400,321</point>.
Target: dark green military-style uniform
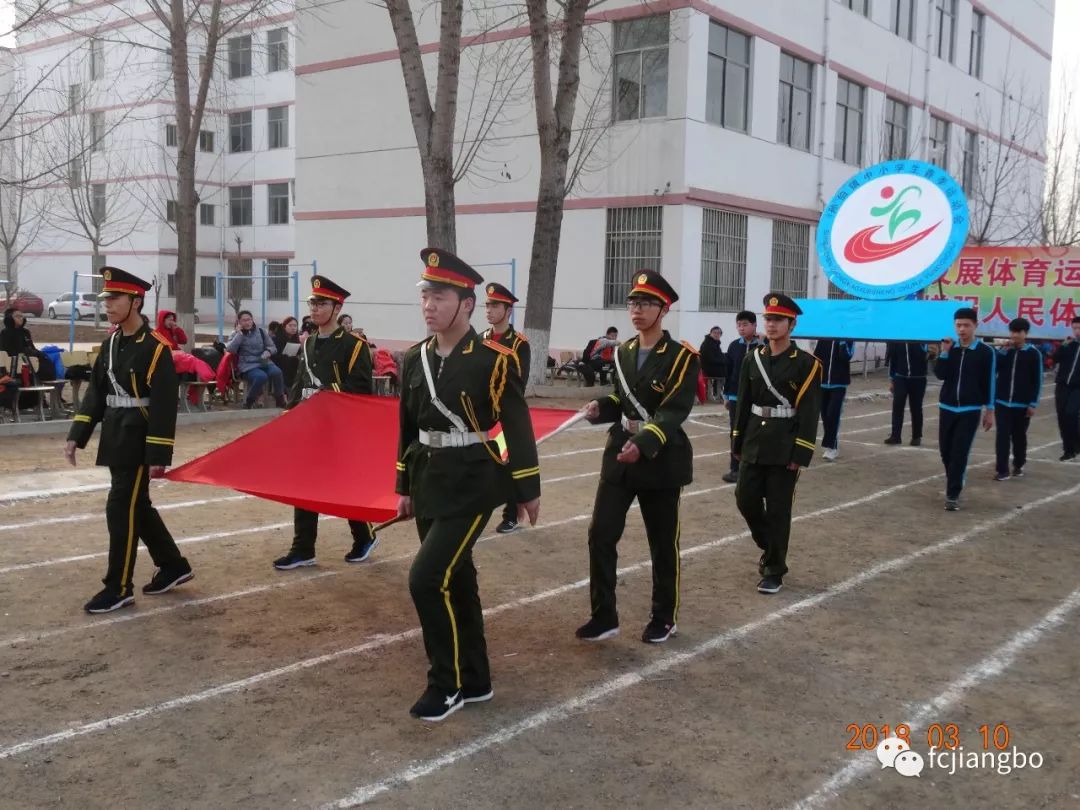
<point>455,480</point>
<point>136,405</point>
<point>340,362</point>
<point>767,443</point>
<point>665,386</point>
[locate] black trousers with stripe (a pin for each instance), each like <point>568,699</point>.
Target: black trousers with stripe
<point>765,494</point>
<point>660,513</point>
<point>444,590</point>
<point>130,516</point>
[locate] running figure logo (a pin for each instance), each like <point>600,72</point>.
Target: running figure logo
<point>861,248</point>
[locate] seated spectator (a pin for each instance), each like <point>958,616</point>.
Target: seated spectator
<point>167,328</point>
<point>254,349</point>
<point>288,332</point>
<point>713,363</point>
<point>15,339</point>
<point>598,357</point>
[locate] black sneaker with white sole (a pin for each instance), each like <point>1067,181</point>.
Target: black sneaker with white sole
<point>107,601</point>
<point>596,630</point>
<point>361,551</point>
<point>893,440</point>
<point>952,505</point>
<point>1001,476</point>
<point>435,705</point>
<point>164,581</point>
<point>657,632</point>
<point>294,559</point>
<point>481,693</point>
<point>1017,472</point>
<point>507,526</point>
<point>770,585</point>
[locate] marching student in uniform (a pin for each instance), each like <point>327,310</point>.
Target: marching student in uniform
<point>908,365</point>
<point>1019,386</point>
<point>497,309</point>
<point>133,393</point>
<point>968,370</point>
<point>647,457</point>
<point>746,326</point>
<point>1067,392</point>
<point>835,357</point>
<point>775,428</point>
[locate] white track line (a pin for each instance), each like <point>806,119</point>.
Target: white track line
<point>85,516</point>
<point>41,494</point>
<point>382,640</point>
<point>564,710</point>
<point>990,667</point>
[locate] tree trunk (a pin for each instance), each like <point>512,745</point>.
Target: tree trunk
<point>543,262</point>
<point>440,205</point>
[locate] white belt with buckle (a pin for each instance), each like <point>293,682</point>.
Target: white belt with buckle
<point>308,393</point>
<point>115,401</point>
<point>631,425</point>
<point>455,438</point>
<point>772,412</point>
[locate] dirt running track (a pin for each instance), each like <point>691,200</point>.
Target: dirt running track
<point>260,689</point>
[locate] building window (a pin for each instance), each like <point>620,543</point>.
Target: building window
<point>170,210</point>
<point>903,18</point>
<point>75,172</point>
<point>74,98</point>
<point>939,142</point>
<point>239,205</point>
<point>277,50</point>
<point>970,166</point>
<point>945,29</point>
<point>170,285</point>
<point>278,196</point>
<point>208,287</point>
<point>633,243</point>
<point>641,68</point>
<point>206,214</point>
<point>170,135</point>
<point>97,59</point>
<point>206,140</point>
<point>790,258</point>
<point>277,286</point>
<point>978,38</point>
<point>97,202</point>
<point>240,131</point>
<point>240,57</point>
<point>728,83</point>
<point>277,119</point>
<point>858,6</point>
<point>723,261</point>
<point>97,130</point>
<point>896,129</point>
<point>850,101</point>
<point>796,93</point>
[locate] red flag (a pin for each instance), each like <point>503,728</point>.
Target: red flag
<point>333,454</point>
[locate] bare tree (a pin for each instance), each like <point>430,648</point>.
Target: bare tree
<point>1057,219</point>
<point>23,205</point>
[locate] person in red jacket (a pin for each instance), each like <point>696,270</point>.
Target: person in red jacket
<point>167,328</point>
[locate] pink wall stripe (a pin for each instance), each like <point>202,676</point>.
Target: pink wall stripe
<point>1011,29</point>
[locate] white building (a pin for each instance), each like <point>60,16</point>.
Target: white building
<point>107,104</point>
<point>735,122</point>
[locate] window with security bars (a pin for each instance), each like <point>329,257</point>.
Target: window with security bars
<point>207,286</point>
<point>790,258</point>
<point>633,243</point>
<point>939,142</point>
<point>836,294</point>
<point>277,286</point>
<point>239,288</point>
<point>723,261</point>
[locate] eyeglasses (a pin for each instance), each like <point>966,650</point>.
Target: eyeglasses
<point>319,304</point>
<point>638,303</point>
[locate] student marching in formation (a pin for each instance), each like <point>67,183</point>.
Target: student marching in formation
<point>835,357</point>
<point>497,309</point>
<point>968,372</point>
<point>133,394</point>
<point>1067,393</point>
<point>746,326</point>
<point>908,366</point>
<point>455,387</point>
<point>647,456</point>
<point>1019,386</point>
<point>331,359</point>
<point>775,430</point>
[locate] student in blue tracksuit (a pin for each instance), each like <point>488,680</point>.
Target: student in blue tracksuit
<point>1019,385</point>
<point>835,357</point>
<point>746,326</point>
<point>1067,393</point>
<point>907,381</point>
<point>967,370</point>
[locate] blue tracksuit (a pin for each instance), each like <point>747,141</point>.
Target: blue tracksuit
<point>968,378</point>
<point>907,371</point>
<point>835,357</point>
<point>1019,385</point>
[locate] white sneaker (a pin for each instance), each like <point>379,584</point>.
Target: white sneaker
<point>830,454</point>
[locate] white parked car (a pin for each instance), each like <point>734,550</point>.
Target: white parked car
<point>84,306</point>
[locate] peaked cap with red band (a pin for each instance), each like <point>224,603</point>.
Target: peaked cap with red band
<point>654,285</point>
<point>780,304</point>
<point>322,287</point>
<point>443,267</point>
<point>121,282</point>
<point>499,294</point>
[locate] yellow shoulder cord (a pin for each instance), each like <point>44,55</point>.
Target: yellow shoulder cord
<point>474,423</point>
<point>497,383</point>
<point>135,391</point>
